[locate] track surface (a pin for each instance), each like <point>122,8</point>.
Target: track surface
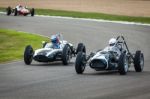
<point>55,81</point>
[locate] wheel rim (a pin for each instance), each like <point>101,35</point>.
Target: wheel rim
<point>141,61</point>
<point>126,64</point>
<point>68,56</point>
<point>83,64</point>
<point>83,67</point>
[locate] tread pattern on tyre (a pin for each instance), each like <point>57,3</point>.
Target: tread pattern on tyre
<point>8,10</point>
<point>121,64</point>
<point>81,47</point>
<point>78,63</point>
<point>27,56</point>
<point>32,12</point>
<point>137,57</point>
<point>15,12</point>
<point>64,54</point>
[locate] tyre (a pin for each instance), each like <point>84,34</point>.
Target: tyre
<point>8,10</point>
<point>66,54</point>
<point>28,55</point>
<point>32,12</point>
<point>123,64</point>
<point>81,47</point>
<point>139,61</point>
<point>15,12</point>
<point>80,63</point>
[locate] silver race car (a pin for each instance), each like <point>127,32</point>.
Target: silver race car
<point>114,57</point>
<point>49,54</point>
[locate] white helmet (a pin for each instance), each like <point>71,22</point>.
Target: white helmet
<point>112,41</point>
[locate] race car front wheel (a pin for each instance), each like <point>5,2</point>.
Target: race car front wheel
<point>28,55</point>
<point>123,64</point>
<point>80,63</point>
<point>8,10</point>
<point>139,61</point>
<point>81,47</point>
<point>66,54</point>
<point>15,12</point>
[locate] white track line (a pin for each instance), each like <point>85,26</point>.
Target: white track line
<point>95,20</point>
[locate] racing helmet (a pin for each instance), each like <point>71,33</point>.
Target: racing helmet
<point>20,5</point>
<point>54,39</point>
<point>112,42</point>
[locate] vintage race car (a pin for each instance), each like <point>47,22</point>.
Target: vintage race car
<point>105,60</point>
<point>49,54</point>
<point>20,10</point>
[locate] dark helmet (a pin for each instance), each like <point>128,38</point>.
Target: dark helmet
<point>54,39</point>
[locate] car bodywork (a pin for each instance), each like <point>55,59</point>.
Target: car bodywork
<point>106,60</point>
<point>24,11</point>
<point>49,54</point>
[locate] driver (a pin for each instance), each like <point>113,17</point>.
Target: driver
<point>19,7</point>
<point>113,49</point>
<point>55,42</point>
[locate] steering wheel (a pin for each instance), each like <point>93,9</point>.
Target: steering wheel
<point>119,46</point>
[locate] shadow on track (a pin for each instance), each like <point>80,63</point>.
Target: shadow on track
<point>51,64</point>
<point>115,73</point>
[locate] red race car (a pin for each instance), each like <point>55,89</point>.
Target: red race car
<point>20,10</point>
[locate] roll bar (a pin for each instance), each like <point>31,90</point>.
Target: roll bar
<point>123,41</point>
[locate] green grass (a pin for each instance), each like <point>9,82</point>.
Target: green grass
<point>12,44</point>
<point>90,15</point>
<point>2,9</point>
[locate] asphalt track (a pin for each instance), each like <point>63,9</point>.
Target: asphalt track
<point>55,81</point>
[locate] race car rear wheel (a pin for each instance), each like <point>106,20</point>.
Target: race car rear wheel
<point>80,63</point>
<point>139,61</point>
<point>15,12</point>
<point>123,64</point>
<point>8,10</point>
<point>66,54</point>
<point>28,55</point>
<point>32,12</point>
<point>81,47</point>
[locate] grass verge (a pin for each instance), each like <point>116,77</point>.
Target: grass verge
<point>12,44</point>
<point>91,15</point>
